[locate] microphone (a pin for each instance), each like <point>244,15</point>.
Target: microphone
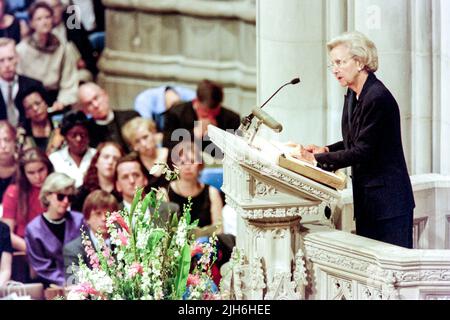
<point>267,119</point>
<point>245,123</point>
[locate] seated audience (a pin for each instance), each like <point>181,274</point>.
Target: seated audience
<point>195,116</point>
<point>39,127</point>
<point>105,124</point>
<point>8,165</point>
<point>13,85</point>
<point>47,234</point>
<point>97,204</point>
<point>10,26</point>
<point>21,202</point>
<point>5,254</point>
<point>74,158</point>
<point>100,174</point>
<point>44,57</point>
<point>206,202</point>
<point>153,103</point>
<point>69,30</point>
<point>139,134</point>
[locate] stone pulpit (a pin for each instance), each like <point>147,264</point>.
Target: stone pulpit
<point>268,261</point>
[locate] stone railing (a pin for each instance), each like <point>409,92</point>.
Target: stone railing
<point>345,266</point>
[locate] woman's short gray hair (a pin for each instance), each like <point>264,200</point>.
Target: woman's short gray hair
<point>56,182</point>
<point>363,49</point>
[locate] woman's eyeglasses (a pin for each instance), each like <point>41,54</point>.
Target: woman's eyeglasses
<point>62,196</point>
<point>339,63</point>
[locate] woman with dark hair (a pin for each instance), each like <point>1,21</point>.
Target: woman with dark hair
<point>74,158</point>
<point>10,27</point>
<point>45,58</point>
<point>21,199</point>
<point>101,173</point>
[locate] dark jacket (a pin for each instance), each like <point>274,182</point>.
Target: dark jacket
<point>182,116</point>
<point>372,146</point>
<point>112,131</point>
<point>26,86</point>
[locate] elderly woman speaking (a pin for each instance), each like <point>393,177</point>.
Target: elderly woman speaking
<point>371,145</point>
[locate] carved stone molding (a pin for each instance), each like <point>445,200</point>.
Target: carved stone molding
<point>282,288</point>
<point>262,189</point>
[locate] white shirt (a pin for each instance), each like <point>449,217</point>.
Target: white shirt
<point>15,89</point>
<point>63,162</point>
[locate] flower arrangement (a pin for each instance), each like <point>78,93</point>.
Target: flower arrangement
<point>149,258</point>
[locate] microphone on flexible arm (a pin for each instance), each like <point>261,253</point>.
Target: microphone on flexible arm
<point>263,116</point>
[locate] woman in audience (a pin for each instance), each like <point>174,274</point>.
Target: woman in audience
<point>206,201</point>
<point>5,254</point>
<point>140,134</point>
<point>47,234</point>
<point>39,129</point>
<point>74,158</point>
<point>10,27</point>
<point>45,58</point>
<point>21,200</point>
<point>7,155</point>
<point>101,173</point>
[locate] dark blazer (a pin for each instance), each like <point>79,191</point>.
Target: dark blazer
<point>372,146</point>
<point>112,131</point>
<point>26,86</point>
<point>70,252</point>
<point>79,37</point>
<point>182,116</point>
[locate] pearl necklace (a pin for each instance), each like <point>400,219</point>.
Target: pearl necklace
<point>61,221</point>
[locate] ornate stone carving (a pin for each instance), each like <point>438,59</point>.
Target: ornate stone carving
<point>281,288</point>
<point>262,189</point>
<point>341,289</point>
<point>300,276</point>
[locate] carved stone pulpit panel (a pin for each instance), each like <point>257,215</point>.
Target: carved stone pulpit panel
<point>270,201</point>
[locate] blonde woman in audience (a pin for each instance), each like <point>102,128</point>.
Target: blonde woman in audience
<point>140,134</point>
<point>45,58</point>
<point>47,234</point>
<point>8,164</point>
<point>101,173</point>
<point>21,202</point>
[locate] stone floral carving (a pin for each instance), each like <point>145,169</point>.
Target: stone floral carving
<point>281,288</point>
<point>262,189</point>
<point>300,276</point>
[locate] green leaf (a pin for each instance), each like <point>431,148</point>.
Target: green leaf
<point>174,222</point>
<point>146,201</point>
<point>154,239</point>
<point>136,199</point>
<point>183,271</point>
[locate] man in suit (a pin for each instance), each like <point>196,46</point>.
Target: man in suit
<point>193,118</point>
<point>131,175</point>
<point>371,145</point>
<point>105,124</point>
<point>13,86</point>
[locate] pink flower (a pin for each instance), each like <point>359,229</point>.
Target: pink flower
<point>86,288</point>
<point>123,237</point>
<point>135,269</point>
<point>116,217</point>
<point>93,258</point>
<point>210,296</point>
<point>196,250</point>
<point>193,280</point>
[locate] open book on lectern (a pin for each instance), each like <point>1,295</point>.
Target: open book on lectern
<point>281,154</point>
